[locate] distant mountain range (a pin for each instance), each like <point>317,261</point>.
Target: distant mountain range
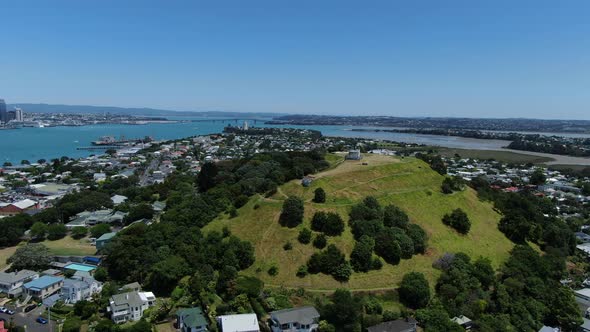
<point>81,109</point>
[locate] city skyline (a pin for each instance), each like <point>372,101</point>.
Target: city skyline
<point>463,59</point>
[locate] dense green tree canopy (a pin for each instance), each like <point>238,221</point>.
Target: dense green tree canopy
<point>292,213</point>
<point>32,256</point>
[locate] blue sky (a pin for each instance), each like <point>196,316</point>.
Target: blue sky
<point>401,58</point>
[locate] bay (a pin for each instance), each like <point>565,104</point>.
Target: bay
<point>53,142</point>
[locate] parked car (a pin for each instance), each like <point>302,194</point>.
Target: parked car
<point>10,312</point>
<point>41,320</point>
<point>30,307</point>
<point>3,309</point>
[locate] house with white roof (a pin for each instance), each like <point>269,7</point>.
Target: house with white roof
<point>17,207</point>
<point>238,323</point>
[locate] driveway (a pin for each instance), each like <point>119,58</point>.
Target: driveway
<point>28,319</point>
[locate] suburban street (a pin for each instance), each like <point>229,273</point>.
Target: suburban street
<point>28,319</point>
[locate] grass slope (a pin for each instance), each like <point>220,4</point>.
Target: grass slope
<point>409,183</point>
<point>62,247</point>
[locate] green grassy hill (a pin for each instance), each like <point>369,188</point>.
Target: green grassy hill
<point>408,183</point>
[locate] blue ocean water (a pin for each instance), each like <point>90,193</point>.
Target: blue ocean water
<point>53,142</point>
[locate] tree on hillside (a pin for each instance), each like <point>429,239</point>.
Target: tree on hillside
<point>320,241</point>
<point>387,247</point>
<point>139,211</point>
<point>33,256</point>
<point>292,213</point>
<point>56,231</point>
<point>361,256</point>
<point>165,274</point>
<point>38,230</point>
<point>458,220</point>
<point>304,236</point>
<point>206,177</point>
<point>452,184</point>
<point>97,231</point>
<point>419,238</point>
<point>515,227</point>
<point>414,290</point>
<point>79,232</point>
<point>368,209</point>
<point>319,195</point>
<point>344,311</point>
<point>318,221</point>
<point>334,225</point>
<point>395,217</point>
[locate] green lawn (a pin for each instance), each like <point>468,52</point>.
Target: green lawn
<point>65,246</point>
<point>408,183</point>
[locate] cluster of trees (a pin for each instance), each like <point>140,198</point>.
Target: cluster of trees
<point>452,184</point>
<point>159,255</point>
<point>523,296</point>
<point>555,145</point>
<point>13,228</point>
<point>527,217</point>
<point>435,162</point>
<point>394,237</point>
<point>55,231</point>
<point>329,223</point>
<point>458,220</point>
<point>330,261</point>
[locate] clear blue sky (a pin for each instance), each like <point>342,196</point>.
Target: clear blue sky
<point>404,58</point>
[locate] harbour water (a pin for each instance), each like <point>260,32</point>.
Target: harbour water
<point>46,143</point>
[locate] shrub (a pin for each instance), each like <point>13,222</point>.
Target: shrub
<point>273,271</point>
<point>319,196</point>
<point>292,213</point>
<point>302,271</point>
<point>320,241</point>
<point>79,232</point>
<point>287,246</point>
<point>56,231</point>
<point>414,290</point>
<point>304,236</point>
<point>395,217</point>
<point>458,220</point>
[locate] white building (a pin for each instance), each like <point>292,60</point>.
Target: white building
<point>238,323</point>
<point>130,306</point>
<point>79,288</point>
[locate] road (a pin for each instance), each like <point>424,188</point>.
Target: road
<point>143,180</point>
<point>28,319</point>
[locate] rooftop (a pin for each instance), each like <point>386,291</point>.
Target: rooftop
<point>302,315</point>
<point>239,323</point>
<point>12,277</point>
<point>192,317</point>
<point>400,325</point>
<point>43,282</point>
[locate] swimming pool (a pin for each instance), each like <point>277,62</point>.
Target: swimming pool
<point>80,267</point>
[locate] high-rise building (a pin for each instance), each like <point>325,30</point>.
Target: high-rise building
<point>18,114</point>
<point>3,112</point>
